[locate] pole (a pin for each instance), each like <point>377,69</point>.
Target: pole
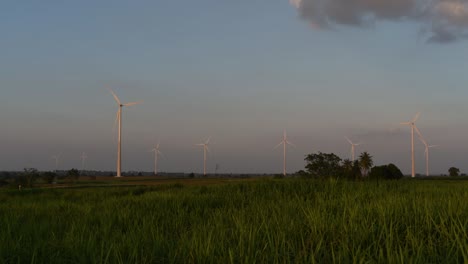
<point>119,145</point>
<point>412,150</point>
<point>427,161</point>
<point>204,160</point>
<point>284,157</point>
<point>155,162</point>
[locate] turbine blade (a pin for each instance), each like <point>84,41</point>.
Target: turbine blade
<point>350,142</point>
<point>281,143</point>
<point>208,140</point>
<point>417,131</point>
<point>423,141</point>
<point>133,103</point>
<point>115,96</point>
<point>433,146</point>
<point>416,117</point>
<point>291,144</point>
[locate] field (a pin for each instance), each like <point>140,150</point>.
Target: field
<point>239,221</point>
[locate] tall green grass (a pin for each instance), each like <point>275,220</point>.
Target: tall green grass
<point>267,221</point>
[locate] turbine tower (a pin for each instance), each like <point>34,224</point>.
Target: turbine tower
<point>353,147</point>
<point>118,120</point>
<point>284,142</point>
<point>57,160</point>
<point>426,152</point>
<point>412,123</point>
<point>205,149</point>
<point>156,156</point>
<point>83,160</point>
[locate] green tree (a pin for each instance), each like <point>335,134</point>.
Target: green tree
<point>28,177</point>
<point>347,168</point>
<point>365,163</point>
<point>388,172</point>
<point>356,173</point>
<point>323,165</point>
<point>395,171</point>
<point>49,176</point>
<point>73,174</point>
<point>454,171</point>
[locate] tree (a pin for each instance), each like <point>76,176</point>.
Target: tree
<point>323,165</point>
<point>395,172</point>
<point>454,171</point>
<point>356,172</point>
<point>365,163</point>
<point>73,174</point>
<point>388,172</point>
<point>347,168</point>
<point>49,176</point>
<point>27,177</point>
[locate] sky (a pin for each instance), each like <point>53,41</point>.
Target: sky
<point>239,72</point>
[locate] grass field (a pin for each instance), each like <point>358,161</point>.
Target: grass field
<point>241,221</point>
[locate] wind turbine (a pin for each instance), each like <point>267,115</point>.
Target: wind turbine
<point>426,152</point>
<point>57,159</point>
<point>119,120</point>
<point>353,147</point>
<point>412,123</point>
<point>156,156</point>
<point>284,142</point>
<point>83,160</point>
<point>205,149</point>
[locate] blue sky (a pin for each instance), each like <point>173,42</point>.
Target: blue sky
<point>238,71</point>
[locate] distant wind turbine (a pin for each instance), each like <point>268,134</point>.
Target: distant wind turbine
<point>119,120</point>
<point>284,142</point>
<point>426,152</point>
<point>156,156</point>
<point>205,149</point>
<point>353,147</point>
<point>57,160</point>
<point>83,160</point>
<point>412,123</point>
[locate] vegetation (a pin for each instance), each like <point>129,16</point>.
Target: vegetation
<point>453,172</point>
<point>323,164</point>
<point>49,176</point>
<point>330,165</point>
<point>263,221</point>
<point>73,174</point>
<point>388,172</point>
<point>27,178</point>
<point>366,163</point>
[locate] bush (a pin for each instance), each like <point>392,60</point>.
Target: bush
<point>453,172</point>
<point>323,165</point>
<point>73,174</point>
<point>27,178</point>
<point>49,176</point>
<point>388,172</point>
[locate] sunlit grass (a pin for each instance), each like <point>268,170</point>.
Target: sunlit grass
<point>266,221</point>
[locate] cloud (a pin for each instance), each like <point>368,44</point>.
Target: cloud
<point>441,21</point>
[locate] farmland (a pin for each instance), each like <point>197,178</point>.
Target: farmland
<point>237,221</point>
